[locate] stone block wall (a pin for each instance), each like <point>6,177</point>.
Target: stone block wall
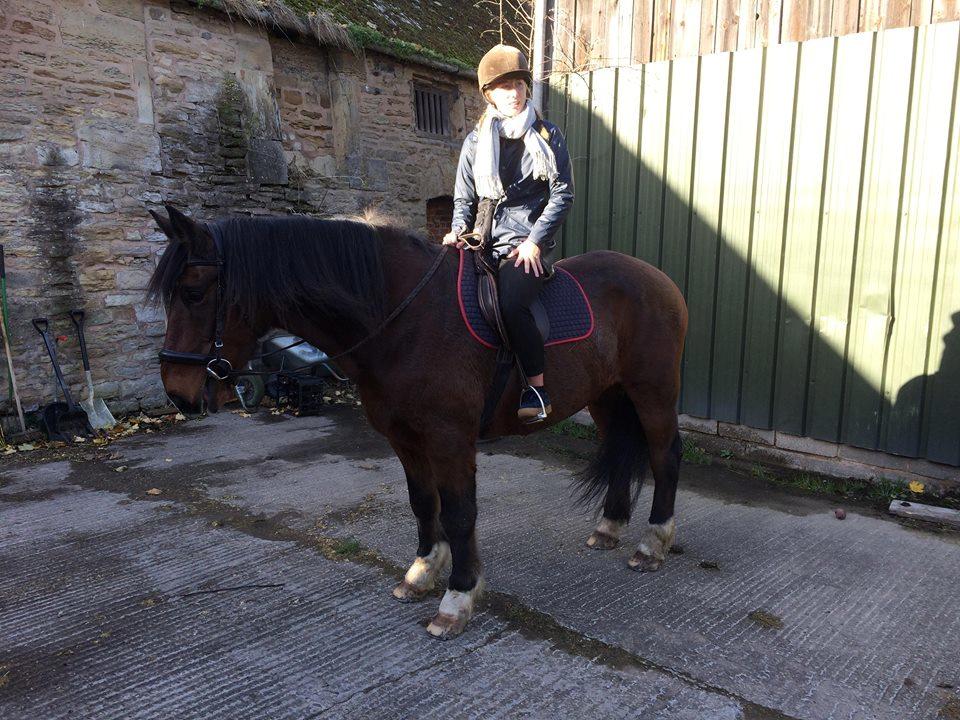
<point>111,107</point>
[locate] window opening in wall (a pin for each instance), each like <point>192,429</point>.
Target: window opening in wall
<point>433,111</point>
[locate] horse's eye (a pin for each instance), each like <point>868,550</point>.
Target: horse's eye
<point>191,296</point>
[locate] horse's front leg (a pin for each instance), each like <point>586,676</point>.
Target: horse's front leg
<point>433,552</point>
<point>455,471</point>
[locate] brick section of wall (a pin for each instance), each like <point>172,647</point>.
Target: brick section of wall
<point>111,107</point>
<point>439,216</point>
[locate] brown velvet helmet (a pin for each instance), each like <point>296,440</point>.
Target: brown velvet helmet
<point>500,62</point>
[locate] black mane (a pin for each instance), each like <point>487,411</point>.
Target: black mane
<point>296,265</point>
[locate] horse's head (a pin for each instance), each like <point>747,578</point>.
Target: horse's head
<point>190,280</point>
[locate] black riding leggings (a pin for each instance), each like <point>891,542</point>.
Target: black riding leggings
<point>518,290</point>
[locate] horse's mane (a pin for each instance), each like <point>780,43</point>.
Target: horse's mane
<point>296,265</point>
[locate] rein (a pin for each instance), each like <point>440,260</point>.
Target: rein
<point>219,368</point>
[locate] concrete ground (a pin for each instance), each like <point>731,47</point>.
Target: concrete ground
<point>256,584</point>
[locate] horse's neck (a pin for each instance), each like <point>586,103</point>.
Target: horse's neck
<point>404,266</point>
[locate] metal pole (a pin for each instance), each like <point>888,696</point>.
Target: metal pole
<point>539,39</point>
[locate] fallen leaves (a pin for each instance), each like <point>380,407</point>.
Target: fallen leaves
<point>766,619</point>
<point>154,491</point>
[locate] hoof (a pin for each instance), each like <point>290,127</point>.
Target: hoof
<point>607,535</point>
<point>407,593</point>
<point>641,562</point>
<point>601,541</point>
<point>455,612</point>
<point>653,548</point>
<point>445,627</point>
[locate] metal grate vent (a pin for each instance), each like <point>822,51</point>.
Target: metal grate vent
<point>433,111</point>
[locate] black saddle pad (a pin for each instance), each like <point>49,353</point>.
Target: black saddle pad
<point>567,305</point>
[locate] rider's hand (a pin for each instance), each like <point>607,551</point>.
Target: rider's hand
<point>528,253</point>
<point>451,239</point>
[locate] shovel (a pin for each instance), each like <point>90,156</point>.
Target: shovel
<point>96,409</point>
<point>60,421</point>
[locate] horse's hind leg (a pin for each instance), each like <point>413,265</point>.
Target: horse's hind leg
<point>617,502</point>
<point>659,421</point>
<point>433,552</point>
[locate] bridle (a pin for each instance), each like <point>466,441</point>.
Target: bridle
<point>219,368</point>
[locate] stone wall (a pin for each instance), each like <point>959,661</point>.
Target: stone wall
<point>111,107</point>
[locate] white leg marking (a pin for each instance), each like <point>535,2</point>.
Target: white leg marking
<point>455,612</point>
<point>654,546</point>
<point>607,534</point>
<point>423,573</point>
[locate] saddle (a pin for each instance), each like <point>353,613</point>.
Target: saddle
<point>488,299</point>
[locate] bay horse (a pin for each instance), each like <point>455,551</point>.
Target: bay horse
<point>422,378</point>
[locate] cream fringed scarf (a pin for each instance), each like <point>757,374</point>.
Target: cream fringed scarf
<point>487,161</point>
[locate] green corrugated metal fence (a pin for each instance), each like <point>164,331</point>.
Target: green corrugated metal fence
<point>806,199</point>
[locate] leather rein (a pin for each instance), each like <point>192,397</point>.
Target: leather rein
<point>219,368</point>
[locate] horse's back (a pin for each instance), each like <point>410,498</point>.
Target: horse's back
<point>605,272</point>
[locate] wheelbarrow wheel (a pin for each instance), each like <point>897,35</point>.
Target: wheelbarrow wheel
<point>250,390</point>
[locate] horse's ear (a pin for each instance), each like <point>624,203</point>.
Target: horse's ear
<point>164,225</point>
<point>182,225</point>
<point>193,235</point>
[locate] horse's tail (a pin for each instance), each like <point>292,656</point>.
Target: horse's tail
<point>622,459</point>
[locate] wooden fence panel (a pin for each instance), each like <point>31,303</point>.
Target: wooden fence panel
<point>750,364</point>
<point>845,18</point>
<point>709,18</point>
<point>914,277</point>
<point>798,271</point>
<point>662,29</point>
<point>585,35</point>
<point>872,317</point>
<point>685,36</point>
<point>563,23</point>
<point>621,28</point>
<point>838,241</point>
<point>621,32</point>
<point>946,10</point>
<point>768,24</point>
<point>644,18</point>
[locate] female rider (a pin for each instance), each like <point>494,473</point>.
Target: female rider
<point>518,163</point>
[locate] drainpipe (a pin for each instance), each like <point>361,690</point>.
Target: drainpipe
<point>539,42</point>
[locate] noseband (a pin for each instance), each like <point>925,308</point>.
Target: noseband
<point>219,368</point>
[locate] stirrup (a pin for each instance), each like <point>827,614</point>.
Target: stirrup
<point>540,416</point>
